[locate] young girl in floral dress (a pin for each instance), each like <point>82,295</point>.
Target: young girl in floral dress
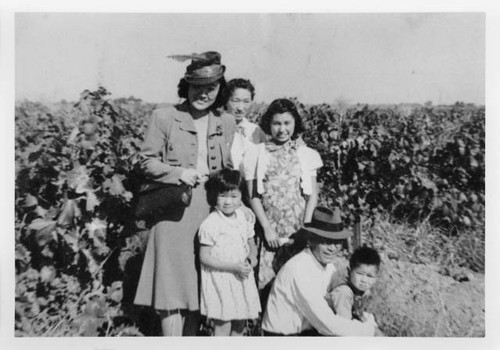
<point>281,181</point>
<point>229,295</point>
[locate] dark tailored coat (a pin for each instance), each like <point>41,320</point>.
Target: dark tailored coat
<point>169,277</point>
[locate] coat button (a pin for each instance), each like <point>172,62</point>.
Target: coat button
<point>213,157</point>
<point>214,167</point>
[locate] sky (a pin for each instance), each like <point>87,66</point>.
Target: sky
<point>316,57</point>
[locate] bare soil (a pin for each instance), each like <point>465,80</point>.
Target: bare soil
<point>416,300</point>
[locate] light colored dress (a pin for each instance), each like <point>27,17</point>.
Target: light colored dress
<point>283,175</point>
<point>223,295</point>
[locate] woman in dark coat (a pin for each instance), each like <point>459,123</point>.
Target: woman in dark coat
<point>183,144</point>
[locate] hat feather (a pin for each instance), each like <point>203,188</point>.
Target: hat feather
<point>193,56</point>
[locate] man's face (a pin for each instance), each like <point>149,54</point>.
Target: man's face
<point>326,250</point>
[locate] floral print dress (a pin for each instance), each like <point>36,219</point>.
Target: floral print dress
<point>282,201</point>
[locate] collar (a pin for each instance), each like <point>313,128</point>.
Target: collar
<point>226,218</point>
<point>186,121</point>
<point>272,147</point>
<point>184,118</point>
<point>355,290</point>
<point>244,123</point>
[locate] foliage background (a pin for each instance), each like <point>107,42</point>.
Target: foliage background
<point>413,174</point>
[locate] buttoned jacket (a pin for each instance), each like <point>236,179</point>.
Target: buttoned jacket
<point>171,143</point>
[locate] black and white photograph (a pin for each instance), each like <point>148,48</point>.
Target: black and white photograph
<point>249,174</point>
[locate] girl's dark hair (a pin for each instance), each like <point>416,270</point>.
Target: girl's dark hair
<point>238,83</point>
<point>183,87</point>
<point>223,181</point>
<point>364,255</point>
<point>280,106</point>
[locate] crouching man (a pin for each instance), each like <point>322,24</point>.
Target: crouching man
<point>297,304</point>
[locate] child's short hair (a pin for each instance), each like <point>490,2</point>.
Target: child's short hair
<point>222,181</point>
<point>364,255</point>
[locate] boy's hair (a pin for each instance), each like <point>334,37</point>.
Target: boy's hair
<point>364,255</point>
<point>223,181</point>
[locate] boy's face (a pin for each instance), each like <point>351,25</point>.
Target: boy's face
<point>363,277</point>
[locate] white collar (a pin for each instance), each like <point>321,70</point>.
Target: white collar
<point>225,217</point>
<point>244,123</point>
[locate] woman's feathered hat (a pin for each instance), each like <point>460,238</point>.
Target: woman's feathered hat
<point>327,223</point>
<point>205,68</point>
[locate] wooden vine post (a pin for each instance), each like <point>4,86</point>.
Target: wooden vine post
<point>356,237</point>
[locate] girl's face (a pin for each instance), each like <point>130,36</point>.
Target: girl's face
<point>282,127</point>
<point>326,250</point>
<point>228,202</point>
<point>363,276</point>
<point>202,97</point>
<point>239,103</point>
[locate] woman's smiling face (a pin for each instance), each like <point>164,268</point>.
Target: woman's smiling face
<point>282,127</point>
<point>202,97</point>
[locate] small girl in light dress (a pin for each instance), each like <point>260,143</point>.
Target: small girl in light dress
<point>229,294</point>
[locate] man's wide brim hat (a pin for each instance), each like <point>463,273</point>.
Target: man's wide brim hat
<point>327,223</point>
<point>205,68</point>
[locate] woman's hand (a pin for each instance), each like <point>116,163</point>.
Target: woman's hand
<point>272,238</point>
<point>242,270</point>
<point>189,177</point>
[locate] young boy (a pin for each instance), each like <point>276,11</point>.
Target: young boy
<point>347,299</point>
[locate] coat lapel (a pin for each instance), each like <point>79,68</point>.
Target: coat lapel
<point>214,125</point>
<point>185,119</point>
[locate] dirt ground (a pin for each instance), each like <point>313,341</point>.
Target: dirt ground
<point>416,300</point>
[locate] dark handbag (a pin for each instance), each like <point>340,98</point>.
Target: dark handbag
<point>157,198</point>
